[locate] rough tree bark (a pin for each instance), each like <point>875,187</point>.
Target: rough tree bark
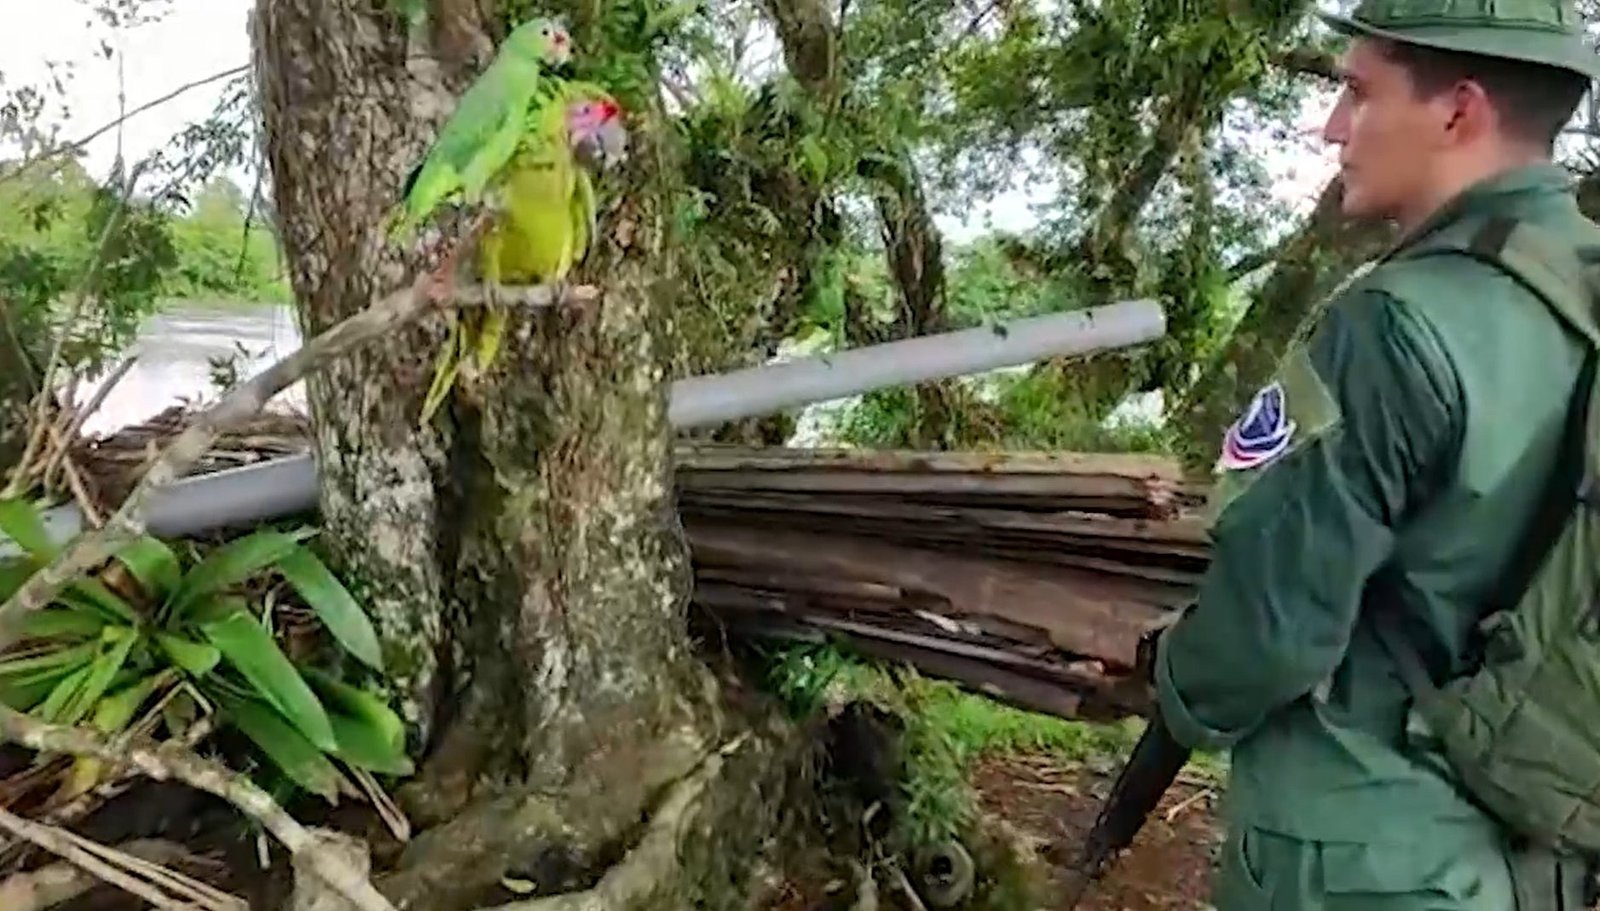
<point>520,556</point>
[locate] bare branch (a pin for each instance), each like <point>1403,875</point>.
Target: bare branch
<point>164,761</point>
<point>62,882</point>
<point>127,524</point>
<point>60,152</point>
<point>180,892</point>
<point>58,883</point>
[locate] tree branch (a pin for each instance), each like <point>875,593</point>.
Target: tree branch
<point>1309,61</point>
<point>57,153</point>
<point>163,761</point>
<point>388,315</point>
<point>61,882</point>
<point>114,867</point>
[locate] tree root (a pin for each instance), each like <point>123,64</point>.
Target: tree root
<point>653,863</point>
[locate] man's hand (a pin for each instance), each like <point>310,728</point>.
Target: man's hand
<point>1144,661</point>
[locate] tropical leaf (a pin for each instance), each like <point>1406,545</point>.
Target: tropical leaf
<point>196,658</point>
<point>364,745</point>
<point>217,607</point>
<point>370,734</point>
<point>62,621</point>
<point>21,522</point>
<point>334,605</point>
<point>92,594</point>
<point>115,643</point>
<point>14,571</point>
<point>117,709</point>
<point>61,697</point>
<point>113,713</point>
<point>154,564</point>
<point>234,563</point>
<point>249,648</point>
<point>19,667</point>
<point>282,743</point>
<point>25,681</point>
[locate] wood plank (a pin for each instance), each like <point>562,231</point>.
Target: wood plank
<point>1080,612</point>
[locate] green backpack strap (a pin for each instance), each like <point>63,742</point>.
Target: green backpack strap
<point>1568,282</point>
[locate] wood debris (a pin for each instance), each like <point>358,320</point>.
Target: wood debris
<point>1027,576</point>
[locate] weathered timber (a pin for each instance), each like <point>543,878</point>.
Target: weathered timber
<point>1115,484</point>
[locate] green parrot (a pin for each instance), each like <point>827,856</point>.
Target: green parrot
<point>487,127</point>
<point>544,215</point>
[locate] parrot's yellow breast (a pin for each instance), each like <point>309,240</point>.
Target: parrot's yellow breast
<point>534,239</point>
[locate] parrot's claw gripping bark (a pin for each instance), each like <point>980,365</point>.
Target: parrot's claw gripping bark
<point>442,280</point>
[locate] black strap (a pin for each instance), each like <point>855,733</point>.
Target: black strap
<point>1563,492</point>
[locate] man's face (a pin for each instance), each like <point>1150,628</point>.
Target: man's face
<point>1391,140</point>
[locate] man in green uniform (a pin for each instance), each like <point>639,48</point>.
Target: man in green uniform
<point>1393,464</point>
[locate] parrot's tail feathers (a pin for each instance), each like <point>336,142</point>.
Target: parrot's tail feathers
<point>445,369</point>
<point>490,336</point>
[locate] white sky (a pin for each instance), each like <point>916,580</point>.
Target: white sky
<point>196,39</point>
<point>199,38</point>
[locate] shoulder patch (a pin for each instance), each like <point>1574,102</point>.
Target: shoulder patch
<point>1261,434</point>
<point>1291,412</point>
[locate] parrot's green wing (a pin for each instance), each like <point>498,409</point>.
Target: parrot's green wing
<point>475,143</point>
<point>583,215</point>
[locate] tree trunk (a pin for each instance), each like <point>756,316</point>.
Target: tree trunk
<point>914,247</point>
<point>521,555</point>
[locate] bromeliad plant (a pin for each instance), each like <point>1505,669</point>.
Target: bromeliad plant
<point>148,631</point>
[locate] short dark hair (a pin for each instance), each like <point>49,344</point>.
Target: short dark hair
<point>1534,101</point>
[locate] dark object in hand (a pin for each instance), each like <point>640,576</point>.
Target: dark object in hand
<point>1151,768</point>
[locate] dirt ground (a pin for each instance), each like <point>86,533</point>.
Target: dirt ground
<point>1048,807</point>
<point>1052,807</point>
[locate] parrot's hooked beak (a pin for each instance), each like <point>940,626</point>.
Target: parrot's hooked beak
<point>603,147</point>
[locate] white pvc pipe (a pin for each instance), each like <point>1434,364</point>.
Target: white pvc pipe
<point>708,400</point>
<point>288,486</point>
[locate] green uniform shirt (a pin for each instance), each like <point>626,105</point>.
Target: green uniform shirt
<point>1391,466</point>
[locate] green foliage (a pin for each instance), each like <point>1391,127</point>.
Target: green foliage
<point>51,230</point>
<point>222,252</point>
<point>155,628</point>
<point>52,226</point>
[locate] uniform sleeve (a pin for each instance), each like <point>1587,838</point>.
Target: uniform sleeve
<point>1293,550</point>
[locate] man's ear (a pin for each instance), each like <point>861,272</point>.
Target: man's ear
<point>1472,114</point>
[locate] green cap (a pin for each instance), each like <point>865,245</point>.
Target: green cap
<point>1537,31</point>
